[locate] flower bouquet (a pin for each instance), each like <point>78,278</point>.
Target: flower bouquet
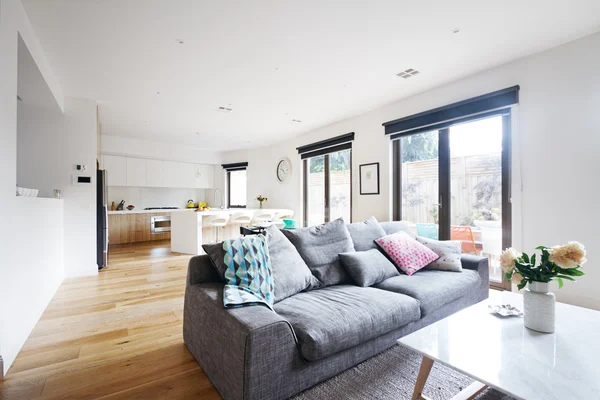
<point>559,263</point>
<point>260,198</point>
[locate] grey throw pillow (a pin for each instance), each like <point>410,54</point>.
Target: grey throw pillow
<point>368,267</point>
<point>291,275</point>
<point>319,247</point>
<point>365,233</point>
<point>392,227</point>
<point>449,252</point>
<point>217,254</point>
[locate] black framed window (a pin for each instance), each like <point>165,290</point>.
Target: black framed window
<point>451,174</point>
<point>327,180</point>
<point>236,177</point>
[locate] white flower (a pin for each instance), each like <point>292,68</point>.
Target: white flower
<point>508,259</point>
<point>569,255</point>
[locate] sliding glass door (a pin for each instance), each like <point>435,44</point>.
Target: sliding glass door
<point>454,184</point>
<point>328,187</point>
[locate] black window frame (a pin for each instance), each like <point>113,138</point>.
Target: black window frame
<point>482,107</point>
<point>229,168</point>
<point>324,148</point>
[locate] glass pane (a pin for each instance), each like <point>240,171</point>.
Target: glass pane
<point>315,196</point>
<point>339,185</point>
<point>420,186</point>
<point>476,189</point>
<point>237,185</point>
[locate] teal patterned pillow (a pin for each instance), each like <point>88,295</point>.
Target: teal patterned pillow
<point>249,276</point>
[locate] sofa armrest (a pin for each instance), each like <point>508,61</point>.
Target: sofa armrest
<point>202,270</point>
<point>236,347</point>
<point>481,265</point>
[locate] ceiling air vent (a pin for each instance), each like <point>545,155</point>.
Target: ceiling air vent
<point>224,109</point>
<point>409,73</point>
<point>296,120</point>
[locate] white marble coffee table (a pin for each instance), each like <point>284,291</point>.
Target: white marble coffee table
<point>501,353</point>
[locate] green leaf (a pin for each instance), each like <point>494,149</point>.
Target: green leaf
<point>526,258</point>
<point>541,248</point>
<point>565,277</point>
<point>533,260</point>
<point>560,282</point>
<point>522,284</point>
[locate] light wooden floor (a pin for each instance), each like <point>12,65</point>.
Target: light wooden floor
<point>117,335</point>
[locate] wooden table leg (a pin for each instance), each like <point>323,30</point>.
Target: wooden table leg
<point>426,364</point>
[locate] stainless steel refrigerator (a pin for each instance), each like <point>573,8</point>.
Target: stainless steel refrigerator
<point>102,219</point>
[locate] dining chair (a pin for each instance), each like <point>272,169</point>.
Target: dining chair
<point>465,235</point>
<point>428,230</point>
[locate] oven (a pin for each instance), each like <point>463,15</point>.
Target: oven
<point>160,224</point>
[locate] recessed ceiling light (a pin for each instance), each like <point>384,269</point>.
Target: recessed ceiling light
<point>224,109</point>
<point>179,41</point>
<point>296,120</point>
<point>409,73</point>
<point>455,30</point>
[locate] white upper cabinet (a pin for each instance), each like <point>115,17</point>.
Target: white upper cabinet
<point>136,172</point>
<point>187,175</point>
<point>171,174</point>
<point>204,176</point>
<point>140,172</point>
<point>154,173</point>
<point>116,170</point>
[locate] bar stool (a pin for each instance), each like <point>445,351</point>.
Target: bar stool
<point>217,221</point>
<point>262,216</point>
<point>242,217</point>
<point>280,216</point>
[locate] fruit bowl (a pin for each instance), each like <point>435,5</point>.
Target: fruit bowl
<point>130,207</point>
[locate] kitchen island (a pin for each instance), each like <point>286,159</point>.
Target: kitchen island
<point>189,232</point>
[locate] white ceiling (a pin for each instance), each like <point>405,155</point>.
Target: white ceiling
<point>277,60</point>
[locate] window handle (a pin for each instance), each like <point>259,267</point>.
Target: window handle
<point>440,203</point>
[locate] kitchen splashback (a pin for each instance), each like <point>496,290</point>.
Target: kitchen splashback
<point>155,197</point>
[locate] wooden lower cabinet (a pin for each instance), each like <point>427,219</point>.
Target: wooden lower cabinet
<point>133,228</point>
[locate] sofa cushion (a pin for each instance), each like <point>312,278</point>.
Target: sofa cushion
<point>408,254</point>
<point>336,318</point>
<point>364,234</point>
<point>391,227</point>
<point>319,247</point>
<point>216,253</point>
<point>368,267</point>
<point>449,252</point>
<point>434,289</point>
<point>291,275</point>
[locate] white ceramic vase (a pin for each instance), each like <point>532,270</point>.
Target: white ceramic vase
<point>539,304</point>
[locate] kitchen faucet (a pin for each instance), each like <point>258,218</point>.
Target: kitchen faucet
<point>215,198</point>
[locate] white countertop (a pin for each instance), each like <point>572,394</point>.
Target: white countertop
<point>136,211</point>
<point>213,211</point>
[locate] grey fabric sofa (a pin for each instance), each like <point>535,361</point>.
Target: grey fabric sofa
<point>253,353</point>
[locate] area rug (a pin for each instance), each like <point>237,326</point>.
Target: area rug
<point>392,375</point>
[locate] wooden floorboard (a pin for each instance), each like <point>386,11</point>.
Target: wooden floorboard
<point>117,335</point>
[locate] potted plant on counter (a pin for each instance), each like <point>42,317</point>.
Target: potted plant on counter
<point>557,263</point>
<point>260,198</point>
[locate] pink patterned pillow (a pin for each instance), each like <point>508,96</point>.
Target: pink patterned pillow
<point>408,254</point>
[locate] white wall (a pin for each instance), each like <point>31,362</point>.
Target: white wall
<point>555,145</point>
<point>124,146</point>
<point>39,148</point>
<point>32,248</point>
<point>142,197</point>
<point>35,258</point>
<point>80,201</point>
